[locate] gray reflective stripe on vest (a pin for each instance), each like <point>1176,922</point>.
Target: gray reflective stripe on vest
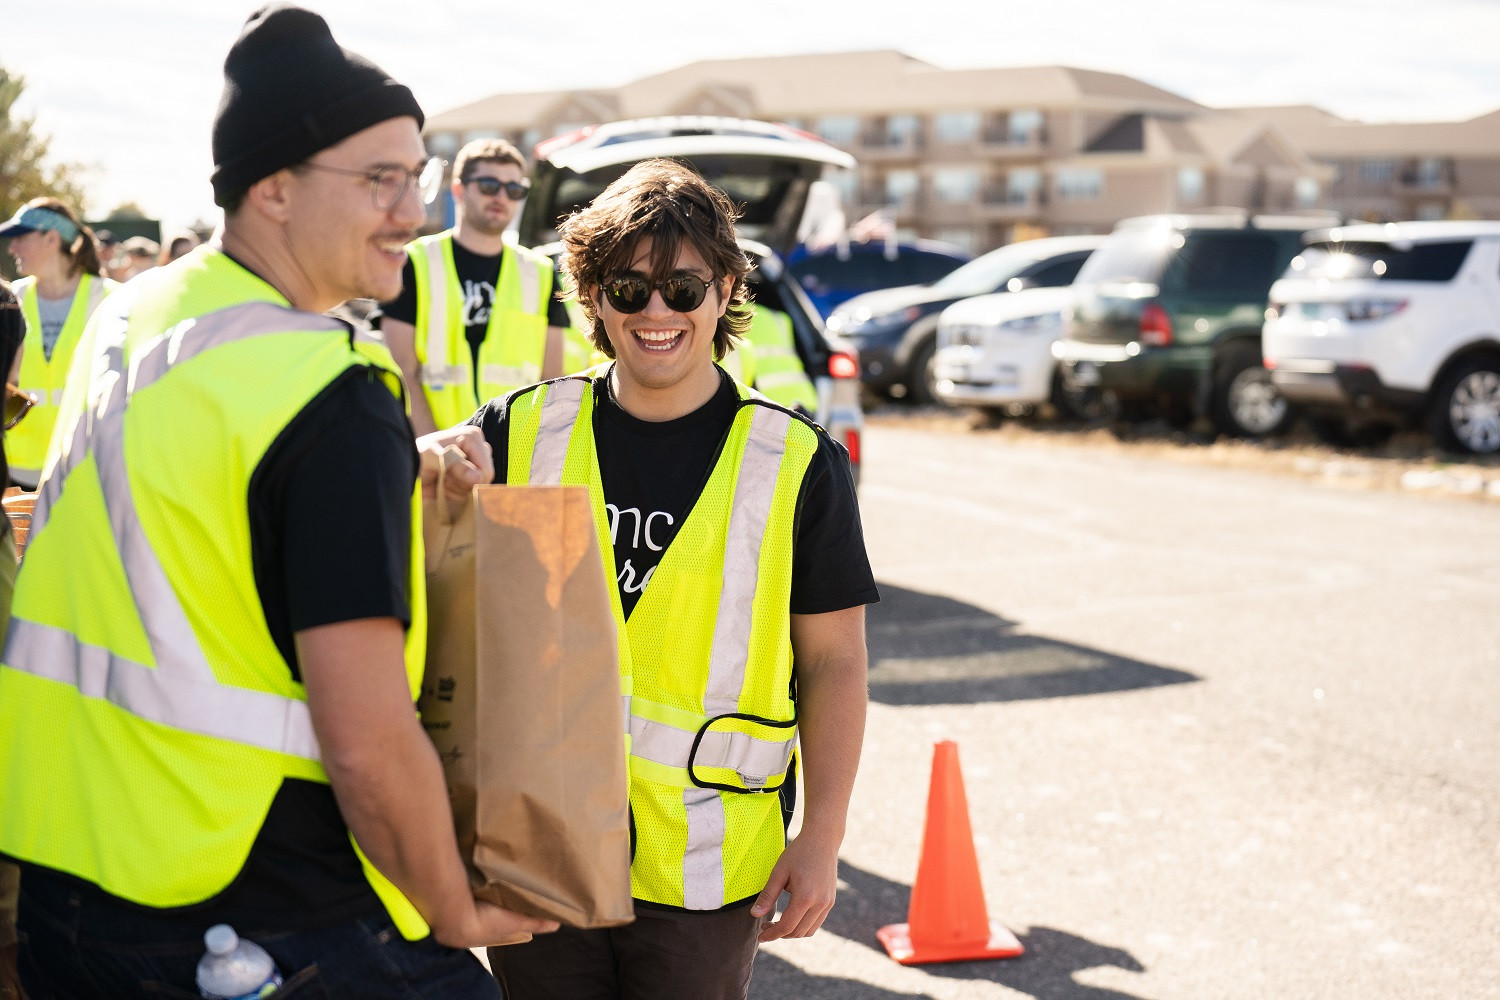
<point>240,715</point>
<point>559,414</point>
<point>436,371</point>
<point>703,858</point>
<point>756,761</point>
<point>97,291</point>
<point>181,691</point>
<point>755,492</point>
<point>510,375</point>
<point>531,281</point>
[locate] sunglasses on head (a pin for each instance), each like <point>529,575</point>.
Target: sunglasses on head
<point>630,293</point>
<point>491,186</point>
<point>17,404</point>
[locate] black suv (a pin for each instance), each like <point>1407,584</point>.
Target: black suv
<point>1168,317</point>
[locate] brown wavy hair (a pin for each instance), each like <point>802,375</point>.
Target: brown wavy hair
<point>666,202</point>
<point>83,252</point>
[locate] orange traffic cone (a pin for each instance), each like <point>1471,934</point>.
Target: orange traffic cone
<point>947,921</point>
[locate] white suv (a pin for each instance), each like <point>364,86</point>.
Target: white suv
<point>1373,325</point>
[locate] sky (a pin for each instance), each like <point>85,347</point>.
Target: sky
<point>129,90</point>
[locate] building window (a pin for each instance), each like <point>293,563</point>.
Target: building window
<point>1377,171</point>
<point>1432,211</point>
<point>1190,184</point>
<point>955,184</point>
<point>901,130</point>
<point>1079,184</point>
<point>480,133</point>
<point>1025,126</point>
<point>444,144</point>
<point>846,183</point>
<point>964,239</point>
<point>1022,184</point>
<point>1430,172</point>
<point>901,188</point>
<point>956,126</point>
<point>838,129</point>
<point>1308,192</point>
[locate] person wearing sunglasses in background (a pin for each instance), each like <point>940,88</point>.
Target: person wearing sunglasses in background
<point>476,316</point>
<point>63,286</point>
<point>731,526</point>
<point>207,689</point>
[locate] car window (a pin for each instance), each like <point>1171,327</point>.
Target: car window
<point>1373,261</point>
<point>932,266</point>
<point>1240,264</point>
<point>1131,255</point>
<point>1055,274</point>
<point>986,274</point>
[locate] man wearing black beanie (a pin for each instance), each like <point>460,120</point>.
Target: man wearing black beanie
<point>206,691</point>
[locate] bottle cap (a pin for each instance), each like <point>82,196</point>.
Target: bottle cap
<point>221,939</point>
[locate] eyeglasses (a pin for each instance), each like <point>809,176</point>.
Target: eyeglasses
<point>491,186</point>
<point>18,403</point>
<point>630,293</point>
<point>389,183</point>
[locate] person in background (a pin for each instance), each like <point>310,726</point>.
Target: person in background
<point>476,316</point>
<point>109,253</point>
<point>178,246</point>
<point>140,254</point>
<point>63,286</point>
<point>732,529</point>
<point>12,329</point>
<point>208,683</point>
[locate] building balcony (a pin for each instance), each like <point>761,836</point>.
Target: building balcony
<point>1001,141</point>
<point>885,146</point>
<point>1424,185</point>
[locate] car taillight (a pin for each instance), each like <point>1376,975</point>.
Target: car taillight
<point>1269,364</point>
<point>1156,326</point>
<point>851,444</point>
<point>547,147</point>
<point>843,366</point>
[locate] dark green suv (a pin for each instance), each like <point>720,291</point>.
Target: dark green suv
<point>1168,314</point>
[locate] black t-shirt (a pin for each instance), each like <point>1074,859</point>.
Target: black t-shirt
<point>653,472</point>
<point>478,277</point>
<point>330,541</point>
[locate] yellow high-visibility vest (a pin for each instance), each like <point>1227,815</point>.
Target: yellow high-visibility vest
<point>779,374</point>
<point>514,341</point>
<point>706,656</point>
<point>147,718</point>
<point>44,377</point>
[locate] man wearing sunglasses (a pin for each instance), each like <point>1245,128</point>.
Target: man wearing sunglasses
<point>731,526</point>
<point>207,686</point>
<point>476,316</point>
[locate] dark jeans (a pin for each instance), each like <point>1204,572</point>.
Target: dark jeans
<point>77,946</point>
<point>665,953</point>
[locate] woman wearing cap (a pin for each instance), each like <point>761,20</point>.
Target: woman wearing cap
<point>60,257</point>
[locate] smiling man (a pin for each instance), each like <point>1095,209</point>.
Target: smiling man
<point>476,316</point>
<point>206,697</point>
<point>731,526</point>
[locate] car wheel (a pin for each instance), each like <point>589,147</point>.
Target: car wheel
<point>1465,410</point>
<point>1246,403</point>
<point>1340,433</point>
<point>1074,402</point>
<point>921,378</point>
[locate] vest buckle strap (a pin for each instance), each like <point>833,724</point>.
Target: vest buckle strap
<point>727,747</point>
<point>439,377</point>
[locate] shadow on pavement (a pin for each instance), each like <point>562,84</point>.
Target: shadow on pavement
<point>927,649</point>
<point>868,901</point>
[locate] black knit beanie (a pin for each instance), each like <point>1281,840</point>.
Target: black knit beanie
<point>289,91</point>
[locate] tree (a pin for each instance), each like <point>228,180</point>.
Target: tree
<point>127,210</point>
<point>25,169</point>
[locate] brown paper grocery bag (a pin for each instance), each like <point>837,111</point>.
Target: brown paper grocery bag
<point>522,699</point>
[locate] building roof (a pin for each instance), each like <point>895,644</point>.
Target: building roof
<point>873,82</point>
<point>1327,136</point>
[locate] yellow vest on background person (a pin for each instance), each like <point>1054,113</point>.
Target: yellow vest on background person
<point>511,355</point>
<point>779,374</point>
<point>44,377</point>
<point>147,717</point>
<point>706,650</point>
<point>740,362</point>
<point>579,352</point>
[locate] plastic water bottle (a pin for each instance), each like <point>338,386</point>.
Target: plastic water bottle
<point>234,969</point>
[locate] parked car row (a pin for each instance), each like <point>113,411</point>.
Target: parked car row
<point>1245,322</point>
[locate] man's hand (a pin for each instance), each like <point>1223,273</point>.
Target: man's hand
<point>475,468</point>
<point>808,871</point>
<point>489,925</point>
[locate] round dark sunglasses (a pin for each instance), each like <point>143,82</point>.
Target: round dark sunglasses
<point>491,186</point>
<point>630,293</point>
